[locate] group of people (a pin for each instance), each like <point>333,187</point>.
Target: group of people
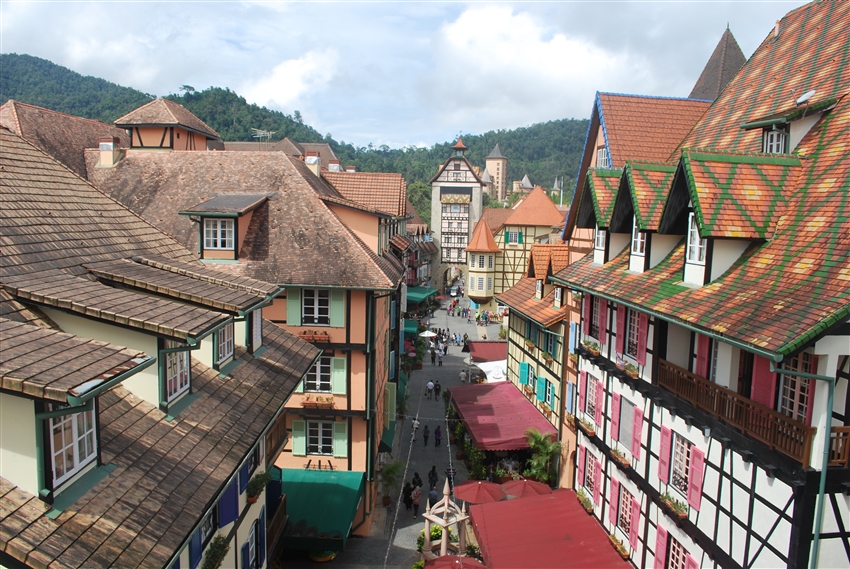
<point>432,390</point>
<point>412,493</point>
<point>438,435</point>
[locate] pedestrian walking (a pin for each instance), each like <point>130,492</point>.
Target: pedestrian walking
<point>429,389</point>
<point>463,377</point>
<point>415,497</point>
<point>433,497</point>
<point>407,494</point>
<point>433,477</point>
<point>437,389</point>
<point>415,425</point>
<point>438,435</point>
<point>433,356</point>
<point>440,358</point>
<point>425,434</point>
<point>417,480</point>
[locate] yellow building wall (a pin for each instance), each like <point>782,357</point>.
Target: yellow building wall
<point>18,463</point>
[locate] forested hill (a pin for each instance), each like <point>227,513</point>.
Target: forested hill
<point>543,151</point>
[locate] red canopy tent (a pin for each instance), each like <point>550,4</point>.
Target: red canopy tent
<point>488,351</point>
<point>542,532</point>
<point>497,415</point>
<point>452,562</point>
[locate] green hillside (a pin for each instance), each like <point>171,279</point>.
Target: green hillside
<point>542,151</point>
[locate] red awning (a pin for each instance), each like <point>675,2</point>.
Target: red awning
<point>490,351</point>
<point>540,533</point>
<point>497,415</point>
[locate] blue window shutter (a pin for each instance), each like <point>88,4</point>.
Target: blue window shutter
<point>195,550</point>
<point>244,474</point>
<point>176,564</point>
<point>261,547</point>
<point>337,308</point>
<point>573,336</point>
<point>293,306</point>
<point>246,559</point>
<point>570,389</point>
<point>541,388</point>
<point>299,438</point>
<point>523,373</point>
<point>228,506</point>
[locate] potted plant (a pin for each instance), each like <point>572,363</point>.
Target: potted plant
<point>680,509</point>
<point>547,411</point>
<point>577,296</point>
<point>618,545</point>
<point>544,449</point>
<point>389,476</point>
<point>529,343</point>
<point>587,427</point>
<point>592,347</point>
<point>548,357</point>
<point>502,476</point>
<point>307,335</point>
<point>322,336</point>
<point>574,358</point>
<point>619,457</point>
<point>216,552</point>
<point>632,370</point>
<point>256,485</point>
<point>585,502</point>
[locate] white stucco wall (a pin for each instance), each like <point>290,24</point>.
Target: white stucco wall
<point>678,345</point>
<point>17,442</point>
<point>724,253</point>
<point>660,247</point>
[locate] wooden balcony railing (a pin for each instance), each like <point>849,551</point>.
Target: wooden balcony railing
<point>839,447</point>
<point>275,525</point>
<point>778,431</point>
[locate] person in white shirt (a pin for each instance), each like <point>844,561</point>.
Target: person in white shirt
<point>463,376</point>
<point>429,389</point>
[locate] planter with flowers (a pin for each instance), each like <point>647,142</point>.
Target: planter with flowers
<point>256,485</point>
<point>588,428</point>
<point>618,545</point>
<point>632,370</point>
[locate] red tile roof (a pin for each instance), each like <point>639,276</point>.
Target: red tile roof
<point>603,185</point>
<point>649,185</point>
<point>549,258</point>
<point>521,297</point>
<point>482,239</point>
<point>726,60</point>
<point>167,113</point>
<point>495,218</point>
<point>535,209</point>
<point>385,192</point>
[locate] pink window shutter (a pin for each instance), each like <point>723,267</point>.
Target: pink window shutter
<point>612,505</point>
<point>621,330</point>
<point>633,525</point>
<point>603,321</point>
<point>660,548</point>
<point>600,400</point>
<point>615,416</point>
<point>597,483</point>
<point>585,322</point>
<point>764,382</point>
<point>811,402</point>
<point>580,467</point>
<point>703,343</point>
<point>582,392</point>
<point>691,563</point>
<point>664,455</point>
<point>695,475</point>
<point>643,334</point>
<point>637,434</point>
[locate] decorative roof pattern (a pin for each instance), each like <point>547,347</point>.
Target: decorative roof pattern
<point>725,61</point>
<point>604,185</point>
<point>521,297</point>
<point>384,192</point>
<point>47,364</point>
<point>810,52</point>
<point>482,239</point>
<point>536,209</point>
<point>737,195</point>
<point>64,137</point>
<point>649,185</point>
<point>164,112</point>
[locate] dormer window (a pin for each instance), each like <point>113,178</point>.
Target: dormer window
<point>599,239</point>
<point>696,244</point>
<point>559,295</point>
<point>73,443</point>
<point>638,239</point>
<point>602,158</point>
<point>225,344</point>
<point>775,141</point>
<point>177,370</point>
<point>218,234</point>
<point>538,289</point>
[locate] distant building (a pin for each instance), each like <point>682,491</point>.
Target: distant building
<point>496,165</point>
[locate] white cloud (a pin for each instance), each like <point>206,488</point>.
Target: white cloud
<point>292,82</point>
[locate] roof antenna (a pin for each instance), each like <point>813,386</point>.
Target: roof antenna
<point>265,137</point>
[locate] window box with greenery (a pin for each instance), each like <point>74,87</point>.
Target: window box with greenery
<point>547,357</point>
<point>216,552</point>
<point>318,402</point>
<point>256,485</point>
<point>620,458</point>
<point>678,509</point>
<point>529,343</point>
<point>585,502</point>
<point>618,545</point>
<point>574,358</point>
<point>588,428</point>
<point>632,370</point>
<point>591,347</point>
<point>547,411</point>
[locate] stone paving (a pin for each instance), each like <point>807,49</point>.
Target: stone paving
<point>376,551</point>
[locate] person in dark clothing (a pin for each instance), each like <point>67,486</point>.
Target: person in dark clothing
<point>417,480</point>
<point>437,389</point>
<point>433,497</point>
<point>438,435</point>
<point>407,493</point>
<point>433,478</point>
<point>433,357</point>
<point>425,434</point>
<point>415,497</point>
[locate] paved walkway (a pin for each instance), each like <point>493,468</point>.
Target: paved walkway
<point>392,541</point>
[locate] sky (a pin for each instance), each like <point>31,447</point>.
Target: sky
<point>394,73</point>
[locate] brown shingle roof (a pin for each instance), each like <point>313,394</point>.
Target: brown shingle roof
<point>64,137</point>
<point>482,239</point>
<point>495,217</point>
<point>48,364</point>
<point>164,112</point>
<point>229,203</point>
<point>535,209</point>
<point>726,60</point>
<point>385,192</point>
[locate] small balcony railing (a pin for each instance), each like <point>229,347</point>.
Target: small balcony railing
<point>839,447</point>
<point>779,432</point>
<point>275,525</point>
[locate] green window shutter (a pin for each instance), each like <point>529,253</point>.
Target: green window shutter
<point>338,376</point>
<point>391,403</point>
<point>299,438</point>
<point>520,238</point>
<point>300,387</point>
<point>541,388</point>
<point>338,308</point>
<point>523,373</point>
<point>293,306</point>
<point>507,236</point>
<point>341,439</point>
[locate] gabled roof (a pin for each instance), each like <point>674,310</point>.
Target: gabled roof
<point>237,205</point>
<point>547,259</point>
<point>648,184</point>
<point>451,159</point>
<point>603,185</point>
<point>165,112</point>
<point>64,137</point>
<point>400,242</point>
<point>726,60</point>
<point>482,239</point>
<point>521,297</point>
<point>495,217</point>
<point>535,209</point>
<point>385,192</point>
<point>496,152</point>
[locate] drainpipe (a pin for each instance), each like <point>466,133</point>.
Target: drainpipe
<point>822,483</point>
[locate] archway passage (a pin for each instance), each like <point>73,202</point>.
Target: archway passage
<point>453,276</point>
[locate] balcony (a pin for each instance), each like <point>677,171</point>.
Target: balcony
<point>839,447</point>
<point>778,431</point>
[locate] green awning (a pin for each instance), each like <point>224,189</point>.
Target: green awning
<point>402,386</point>
<point>411,327</point>
<point>321,505</point>
<point>387,438</point>
<point>416,294</point>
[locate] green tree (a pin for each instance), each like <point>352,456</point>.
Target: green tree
<point>543,449</point>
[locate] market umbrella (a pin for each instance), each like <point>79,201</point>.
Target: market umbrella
<point>427,334</point>
<point>524,488</point>
<point>452,562</point>
<point>441,297</point>
<point>478,492</point>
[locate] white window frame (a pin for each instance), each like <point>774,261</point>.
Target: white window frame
<point>677,555</point>
<point>595,309</point>
<point>317,445</point>
<point>78,440</point>
<point>602,158</point>
<point>599,239</point>
<point>627,419</point>
<point>252,545</point>
<point>225,343</point>
<point>624,509</point>
<point>513,237</point>
<point>489,261</point>
<point>319,302</point>
<point>638,239</point>
<point>550,394</point>
<point>589,472</point>
<point>219,234</point>
<point>632,332</point>
<point>489,283</point>
<point>480,261</point>
<point>680,461</point>
<point>590,398</point>
<point>775,141</point>
<point>209,525</point>
<point>538,286</point>
<point>696,244</point>
<point>795,391</point>
<point>480,283</point>
<point>177,373</point>
<point>558,295</point>
<point>320,376</point>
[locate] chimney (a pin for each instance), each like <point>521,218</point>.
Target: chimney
<point>109,151</point>
<point>351,169</point>
<point>333,166</point>
<point>312,160</point>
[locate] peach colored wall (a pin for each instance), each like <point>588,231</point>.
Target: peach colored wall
<point>364,225</point>
<point>287,460</point>
<point>581,243</point>
<point>182,138</point>
<point>358,444</point>
<point>366,528</point>
<point>243,223</point>
<point>600,140</point>
<point>358,317</point>
<point>357,375</point>
<point>382,310</point>
<point>218,254</point>
<point>150,136</point>
<point>276,310</point>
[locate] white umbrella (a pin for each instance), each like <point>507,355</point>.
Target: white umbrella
<point>427,334</point>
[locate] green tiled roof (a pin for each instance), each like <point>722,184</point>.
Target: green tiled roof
<point>649,185</point>
<point>604,184</point>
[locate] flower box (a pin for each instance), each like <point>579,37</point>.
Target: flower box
<point>314,336</point>
<point>327,403</point>
<point>620,459</point>
<point>588,428</point>
<point>618,545</point>
<point>528,390</point>
<point>676,508</point>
